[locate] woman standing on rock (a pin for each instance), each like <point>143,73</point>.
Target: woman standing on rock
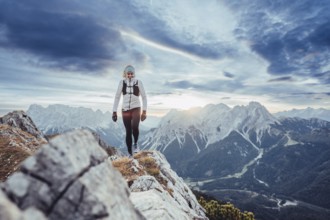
<point>131,89</point>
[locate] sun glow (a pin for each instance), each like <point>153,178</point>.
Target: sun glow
<point>178,101</point>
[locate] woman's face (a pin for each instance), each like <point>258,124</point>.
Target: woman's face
<point>129,75</point>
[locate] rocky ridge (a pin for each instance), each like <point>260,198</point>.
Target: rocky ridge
<point>72,177</point>
<point>19,119</point>
<point>157,191</point>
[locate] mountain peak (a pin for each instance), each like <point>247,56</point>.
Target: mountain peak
<point>254,104</point>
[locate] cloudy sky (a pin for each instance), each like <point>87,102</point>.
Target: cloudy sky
<point>187,53</point>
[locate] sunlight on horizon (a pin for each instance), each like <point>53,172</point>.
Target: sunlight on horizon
<point>178,101</point>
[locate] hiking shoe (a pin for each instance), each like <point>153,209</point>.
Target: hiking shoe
<point>130,156</point>
<point>136,148</point>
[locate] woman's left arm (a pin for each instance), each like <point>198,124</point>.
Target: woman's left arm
<point>143,95</point>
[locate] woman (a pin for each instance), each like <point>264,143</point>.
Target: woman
<point>131,88</point>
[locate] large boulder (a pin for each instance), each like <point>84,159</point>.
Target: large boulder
<point>71,177</point>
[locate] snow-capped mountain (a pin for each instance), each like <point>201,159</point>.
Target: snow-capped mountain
<point>307,113</point>
<point>248,156</point>
<point>151,122</point>
<point>64,117</point>
<point>56,119</point>
<point>208,125</point>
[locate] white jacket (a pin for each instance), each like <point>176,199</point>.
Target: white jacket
<point>130,100</point>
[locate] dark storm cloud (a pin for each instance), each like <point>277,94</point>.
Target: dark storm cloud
<point>294,36</point>
<point>61,34</point>
<point>312,93</point>
<point>321,36</point>
<point>183,84</point>
<point>273,51</point>
<point>78,36</point>
<point>282,79</point>
<point>324,77</point>
<point>228,74</point>
<point>205,50</point>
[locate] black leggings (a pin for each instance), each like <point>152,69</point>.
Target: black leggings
<point>131,119</point>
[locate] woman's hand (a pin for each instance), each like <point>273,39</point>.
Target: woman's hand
<point>114,116</point>
<point>143,115</point>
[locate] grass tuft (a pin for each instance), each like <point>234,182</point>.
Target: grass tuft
<point>146,165</point>
<point>10,158</point>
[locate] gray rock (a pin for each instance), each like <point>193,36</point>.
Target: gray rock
<point>72,178</point>
<point>9,211</point>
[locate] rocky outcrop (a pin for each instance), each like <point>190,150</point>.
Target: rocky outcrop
<point>19,139</point>
<point>71,178</point>
<point>20,119</point>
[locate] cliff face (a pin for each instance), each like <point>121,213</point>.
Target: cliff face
<point>72,177</point>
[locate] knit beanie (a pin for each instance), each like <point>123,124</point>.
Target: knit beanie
<point>129,68</point>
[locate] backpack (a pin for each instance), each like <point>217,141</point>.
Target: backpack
<point>136,90</point>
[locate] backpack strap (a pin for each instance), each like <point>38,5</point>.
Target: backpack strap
<point>124,87</point>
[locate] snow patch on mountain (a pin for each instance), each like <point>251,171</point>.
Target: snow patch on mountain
<point>290,141</point>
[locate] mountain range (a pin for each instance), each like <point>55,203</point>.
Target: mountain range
<point>276,166</point>
<point>58,118</point>
<point>279,168</point>
<point>307,113</point>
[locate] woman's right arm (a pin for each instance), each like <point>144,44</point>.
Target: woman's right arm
<point>117,96</point>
